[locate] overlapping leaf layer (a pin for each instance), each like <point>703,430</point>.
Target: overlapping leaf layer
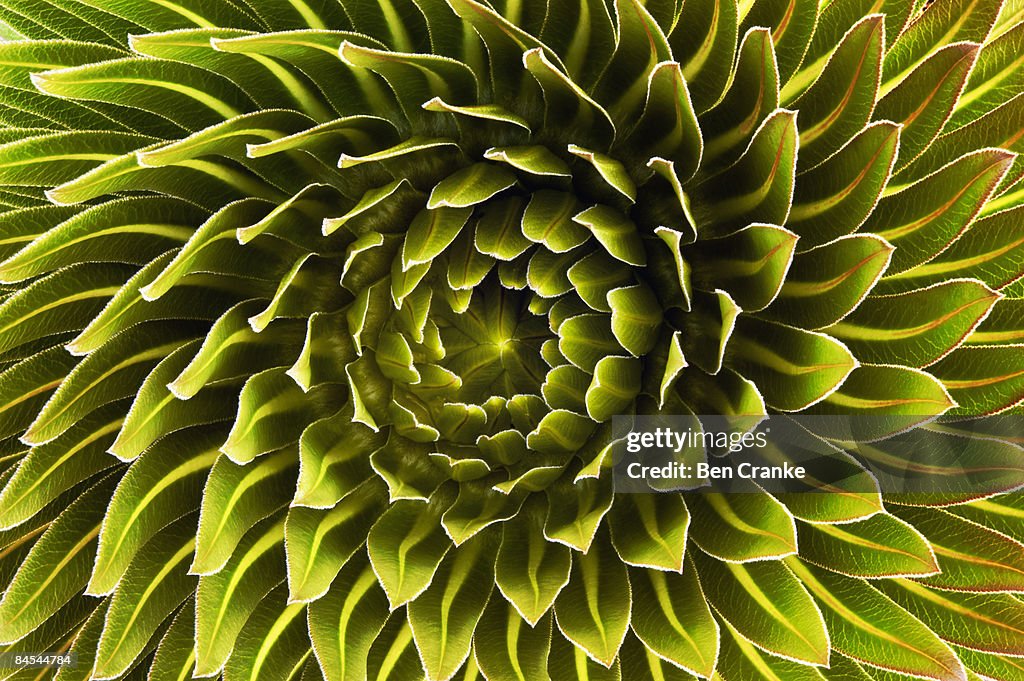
<point>315,316</point>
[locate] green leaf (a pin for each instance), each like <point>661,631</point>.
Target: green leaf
<point>876,547</point>
<point>674,363</point>
<point>214,247</point>
<point>22,57</point>
<point>610,170</point>
<point>272,413</point>
<point>575,510</point>
<point>675,275</point>
<point>989,251</point>
<point>933,467</point>
<point>676,624</point>
<point>430,233</point>
<point>792,23</point>
<point>231,349</point>
<point>841,100</point>
<point>57,567</point>
<point>52,469</point>
<point>289,220</point>
<point>640,44</point>
<point>981,621</point>
<point>594,276</point>
<point>273,643</point>
<point>407,544</point>
<point>225,599</point>
<point>49,160</point>
<point>547,272</point>
<point>971,557</point>
<point>171,14</point>
<point>321,360</point>
<point>726,393</point>
<point>406,467</point>
<point>767,606</point>
<point>758,187</point>
<point>63,301</point>
<point>129,233</point>
<point>750,264</point>
<point>534,159</point>
<point>870,628</point>
<point>313,51</point>
<point>996,78</point>
<point>151,589</point>
<point>227,138</point>
<point>111,373</point>
<point>156,411</point>
<point>201,296</point>
<point>1002,326</point>
<point>333,459</point>
<point>598,579</point>
<point>444,616</point>
<point>368,204</point>
<point>728,126</point>
<point>234,499</point>
<point>357,135</point>
<point>567,103</point>
<point>951,22</point>
<point>415,77</point>
<point>837,196</point>
<point>266,82</point>
<point>470,186</point>
<point>923,101</point>
<point>649,530</point>
<point>907,396</point>
<point>530,571</point>
<point>636,318</point>
<point>982,379</point>
<point>161,485</point>
<point>393,654</point>
<point>741,527</point>
<point>22,226</point>
<point>548,220</point>
<point>615,384</point>
<point>370,391</point>
<point>320,542</point>
<point>183,93</point>
<point>923,219</point>
<point>498,229</point>
<point>208,184</point>
<point>175,655</point>
<point>570,662</point>
<point>615,232</point>
<point>467,266</point>
<point>740,659</point>
<point>826,282</point>
<point>505,649</point>
<point>345,621</point>
<point>792,368</point>
<point>27,385</point>
<point>560,431</point>
<point>916,328</point>
<point>300,291</point>
<point>479,112</point>
<point>479,505</point>
<point>990,666</point>
<point>707,63</point>
<point>668,126</point>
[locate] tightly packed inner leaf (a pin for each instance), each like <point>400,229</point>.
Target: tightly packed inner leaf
<point>315,318</point>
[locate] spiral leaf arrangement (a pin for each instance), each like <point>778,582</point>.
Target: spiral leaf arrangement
<point>315,316</point>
